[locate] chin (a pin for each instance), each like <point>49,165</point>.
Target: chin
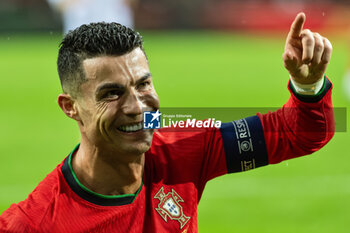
<point>137,149</point>
<point>133,144</point>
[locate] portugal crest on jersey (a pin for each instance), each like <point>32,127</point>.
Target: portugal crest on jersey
<point>169,207</point>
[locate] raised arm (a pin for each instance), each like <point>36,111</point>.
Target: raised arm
<point>306,121</point>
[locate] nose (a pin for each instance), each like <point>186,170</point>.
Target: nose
<point>132,104</point>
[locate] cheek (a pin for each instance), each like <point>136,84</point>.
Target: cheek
<point>86,116</point>
<point>94,116</point>
<point>104,113</point>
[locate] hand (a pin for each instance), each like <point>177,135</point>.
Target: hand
<point>306,54</point>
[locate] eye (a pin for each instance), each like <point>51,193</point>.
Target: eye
<point>144,85</point>
<point>112,94</point>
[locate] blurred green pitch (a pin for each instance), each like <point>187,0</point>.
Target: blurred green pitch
<point>203,69</point>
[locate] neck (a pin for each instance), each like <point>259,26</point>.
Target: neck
<point>106,172</point>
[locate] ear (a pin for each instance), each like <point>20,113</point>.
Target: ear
<point>68,106</point>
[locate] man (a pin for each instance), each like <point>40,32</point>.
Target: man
<point>122,178</point>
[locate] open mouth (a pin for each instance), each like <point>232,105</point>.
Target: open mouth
<point>131,128</point>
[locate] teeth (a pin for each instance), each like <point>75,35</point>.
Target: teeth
<point>130,128</point>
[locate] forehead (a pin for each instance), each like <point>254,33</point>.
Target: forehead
<point>107,68</point>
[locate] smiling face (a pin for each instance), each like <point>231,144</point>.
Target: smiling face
<point>112,101</point>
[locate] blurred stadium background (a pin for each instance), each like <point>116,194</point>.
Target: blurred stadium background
<point>203,53</point>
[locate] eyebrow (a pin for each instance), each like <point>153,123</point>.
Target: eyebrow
<point>118,86</point>
<point>143,78</point>
<point>109,86</point>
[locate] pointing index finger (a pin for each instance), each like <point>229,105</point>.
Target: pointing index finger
<point>297,25</point>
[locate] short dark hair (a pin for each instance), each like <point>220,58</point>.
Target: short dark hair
<point>92,40</point>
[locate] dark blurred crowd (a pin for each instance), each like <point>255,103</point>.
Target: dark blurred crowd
<point>41,15</point>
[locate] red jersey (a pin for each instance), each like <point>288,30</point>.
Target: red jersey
<point>177,167</point>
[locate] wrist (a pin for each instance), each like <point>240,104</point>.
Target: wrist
<point>308,89</point>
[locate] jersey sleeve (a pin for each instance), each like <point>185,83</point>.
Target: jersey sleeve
<point>302,126</point>
<point>14,220</point>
